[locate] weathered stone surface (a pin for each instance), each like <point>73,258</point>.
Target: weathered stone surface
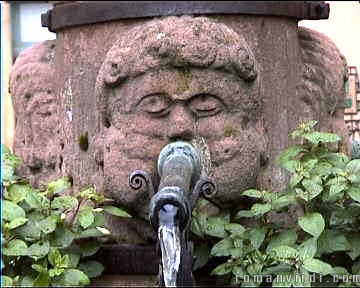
<point>32,88</point>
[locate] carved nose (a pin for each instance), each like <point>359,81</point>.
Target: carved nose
<point>181,124</point>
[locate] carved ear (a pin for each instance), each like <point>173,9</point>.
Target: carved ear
<point>324,72</point>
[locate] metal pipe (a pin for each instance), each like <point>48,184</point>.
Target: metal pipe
<point>179,167</point>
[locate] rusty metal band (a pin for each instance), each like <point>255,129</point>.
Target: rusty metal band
<point>83,13</point>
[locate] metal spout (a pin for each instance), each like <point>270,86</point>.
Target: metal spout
<point>182,181</point>
<point>179,168</point>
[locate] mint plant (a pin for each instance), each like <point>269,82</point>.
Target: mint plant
<point>321,245</point>
<point>47,236</point>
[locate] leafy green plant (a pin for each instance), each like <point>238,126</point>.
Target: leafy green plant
<point>319,241</point>
<point>48,236</point>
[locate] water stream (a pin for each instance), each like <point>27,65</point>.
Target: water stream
<point>169,236</point>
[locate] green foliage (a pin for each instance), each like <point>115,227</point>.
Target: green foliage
<point>47,236</point>
<point>323,241</point>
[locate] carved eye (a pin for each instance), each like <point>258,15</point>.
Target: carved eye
<point>155,104</point>
<point>204,105</point>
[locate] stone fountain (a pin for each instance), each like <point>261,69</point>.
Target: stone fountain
<point>124,79</point>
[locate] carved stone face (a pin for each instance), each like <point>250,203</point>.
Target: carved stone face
<point>164,103</point>
<point>32,90</point>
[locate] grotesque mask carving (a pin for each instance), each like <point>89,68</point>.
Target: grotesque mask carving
<point>179,78</point>
<point>32,90</point>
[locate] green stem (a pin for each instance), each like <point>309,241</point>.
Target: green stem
<point>75,214</point>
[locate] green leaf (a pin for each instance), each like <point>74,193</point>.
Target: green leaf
<point>235,229</point>
<point>317,137</point>
<point>304,128</point>
<point>223,247</point>
<point>48,225</point>
<point>10,162</point>
<point>215,227</point>
<point>73,260</point>
<point>353,167</point>
<point>286,237</point>
<point>338,270</point>
<point>99,220</point>
<point>295,179</point>
<point>196,227</point>
<point>36,200</point>
<point>64,262</point>
<point>59,185</point>
<point>354,241</point>
<point>72,277</point>
<point>29,232</point>
<point>15,248</point>
<point>253,193</point>
<point>90,194</point>
<point>201,255</point>
<point>237,252</point>
<point>336,189</point>
<point>42,280</point>
<point>313,188</point>
<point>11,211</point>
<point>88,233</point>
<point>17,192</point>
<point>286,158</point>
<point>257,236</point>
<point>308,249</point>
<point>322,169</point>
<point>317,266</point>
<point>222,269</point>
<point>54,257</point>
<point>277,269</point>
<point>39,249</point>
<point>27,281</point>
<point>39,268</point>
<point>64,203</point>
<point>260,209</point>
<point>116,211</point>
<point>89,248</point>
<point>244,214</point>
<point>284,252</point>
<point>254,269</point>
<point>91,268</point>
<point>62,237</point>
<point>338,160</point>
<point>17,223</point>
<point>354,193</point>
<point>332,241</point>
<point>312,223</point>
<point>283,201</point>
<point>238,271</point>
<point>341,217</point>
<point>56,272</point>
<point>6,281</point>
<point>86,217</point>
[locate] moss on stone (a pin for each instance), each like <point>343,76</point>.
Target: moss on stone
<point>229,130</point>
<point>83,141</point>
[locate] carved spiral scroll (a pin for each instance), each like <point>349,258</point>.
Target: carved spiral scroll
<point>208,189</point>
<point>205,187</point>
<point>141,180</point>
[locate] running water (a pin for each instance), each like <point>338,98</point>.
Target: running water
<point>169,237</point>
